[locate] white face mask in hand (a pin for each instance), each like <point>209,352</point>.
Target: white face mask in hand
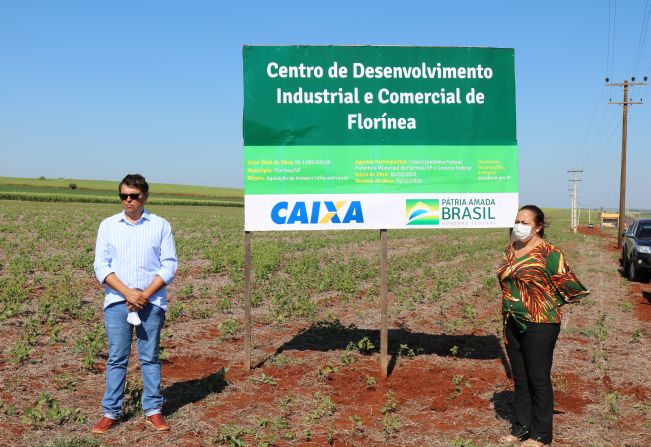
<point>521,232</point>
<point>133,318</point>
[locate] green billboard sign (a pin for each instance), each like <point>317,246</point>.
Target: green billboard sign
<point>377,126</point>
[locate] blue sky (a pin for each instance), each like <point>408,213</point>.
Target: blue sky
<point>97,89</point>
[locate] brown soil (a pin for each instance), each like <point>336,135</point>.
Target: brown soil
<point>610,242</point>
<point>453,387</point>
<point>640,294</point>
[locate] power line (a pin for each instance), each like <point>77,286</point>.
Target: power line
<point>646,72</point>
<point>608,51</point>
<point>614,30</point>
<point>601,154</point>
<point>598,142</point>
<point>579,154</point>
<point>642,39</point>
<point>606,144</point>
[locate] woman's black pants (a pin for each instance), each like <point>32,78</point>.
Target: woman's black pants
<point>531,353</point>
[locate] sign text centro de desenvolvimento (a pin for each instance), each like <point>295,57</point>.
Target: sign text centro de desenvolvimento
<point>379,137</point>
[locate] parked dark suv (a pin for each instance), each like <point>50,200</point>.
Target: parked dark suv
<point>636,254</point>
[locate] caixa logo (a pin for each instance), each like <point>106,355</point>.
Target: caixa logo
<point>341,212</point>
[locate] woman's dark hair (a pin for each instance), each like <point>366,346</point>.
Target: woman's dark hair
<point>135,181</point>
<point>539,217</point>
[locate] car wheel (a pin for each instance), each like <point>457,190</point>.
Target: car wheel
<point>632,271</point>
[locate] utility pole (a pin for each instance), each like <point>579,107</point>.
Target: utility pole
<point>571,196</point>
<point>574,180</point>
<point>622,177</point>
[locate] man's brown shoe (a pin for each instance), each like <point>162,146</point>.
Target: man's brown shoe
<point>158,422</point>
<point>104,425</point>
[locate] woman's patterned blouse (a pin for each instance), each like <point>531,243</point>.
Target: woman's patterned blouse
<point>536,285</point>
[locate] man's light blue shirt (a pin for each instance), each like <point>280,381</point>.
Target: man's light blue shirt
<point>136,253</point>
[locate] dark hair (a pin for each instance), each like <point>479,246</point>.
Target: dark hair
<point>539,217</point>
<point>135,181</point>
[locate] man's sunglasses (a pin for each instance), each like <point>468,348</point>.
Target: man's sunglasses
<point>134,196</point>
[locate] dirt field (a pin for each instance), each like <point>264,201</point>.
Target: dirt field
<point>316,380</point>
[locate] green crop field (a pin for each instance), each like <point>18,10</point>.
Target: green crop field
<point>101,191</point>
<point>316,315</point>
<point>111,187</point>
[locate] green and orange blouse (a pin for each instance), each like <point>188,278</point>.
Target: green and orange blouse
<point>536,285</point>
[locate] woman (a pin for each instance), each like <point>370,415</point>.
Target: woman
<point>536,282</point>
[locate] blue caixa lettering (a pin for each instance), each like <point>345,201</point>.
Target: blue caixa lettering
<point>284,213</point>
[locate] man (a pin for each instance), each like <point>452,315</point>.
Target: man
<point>135,259</point>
